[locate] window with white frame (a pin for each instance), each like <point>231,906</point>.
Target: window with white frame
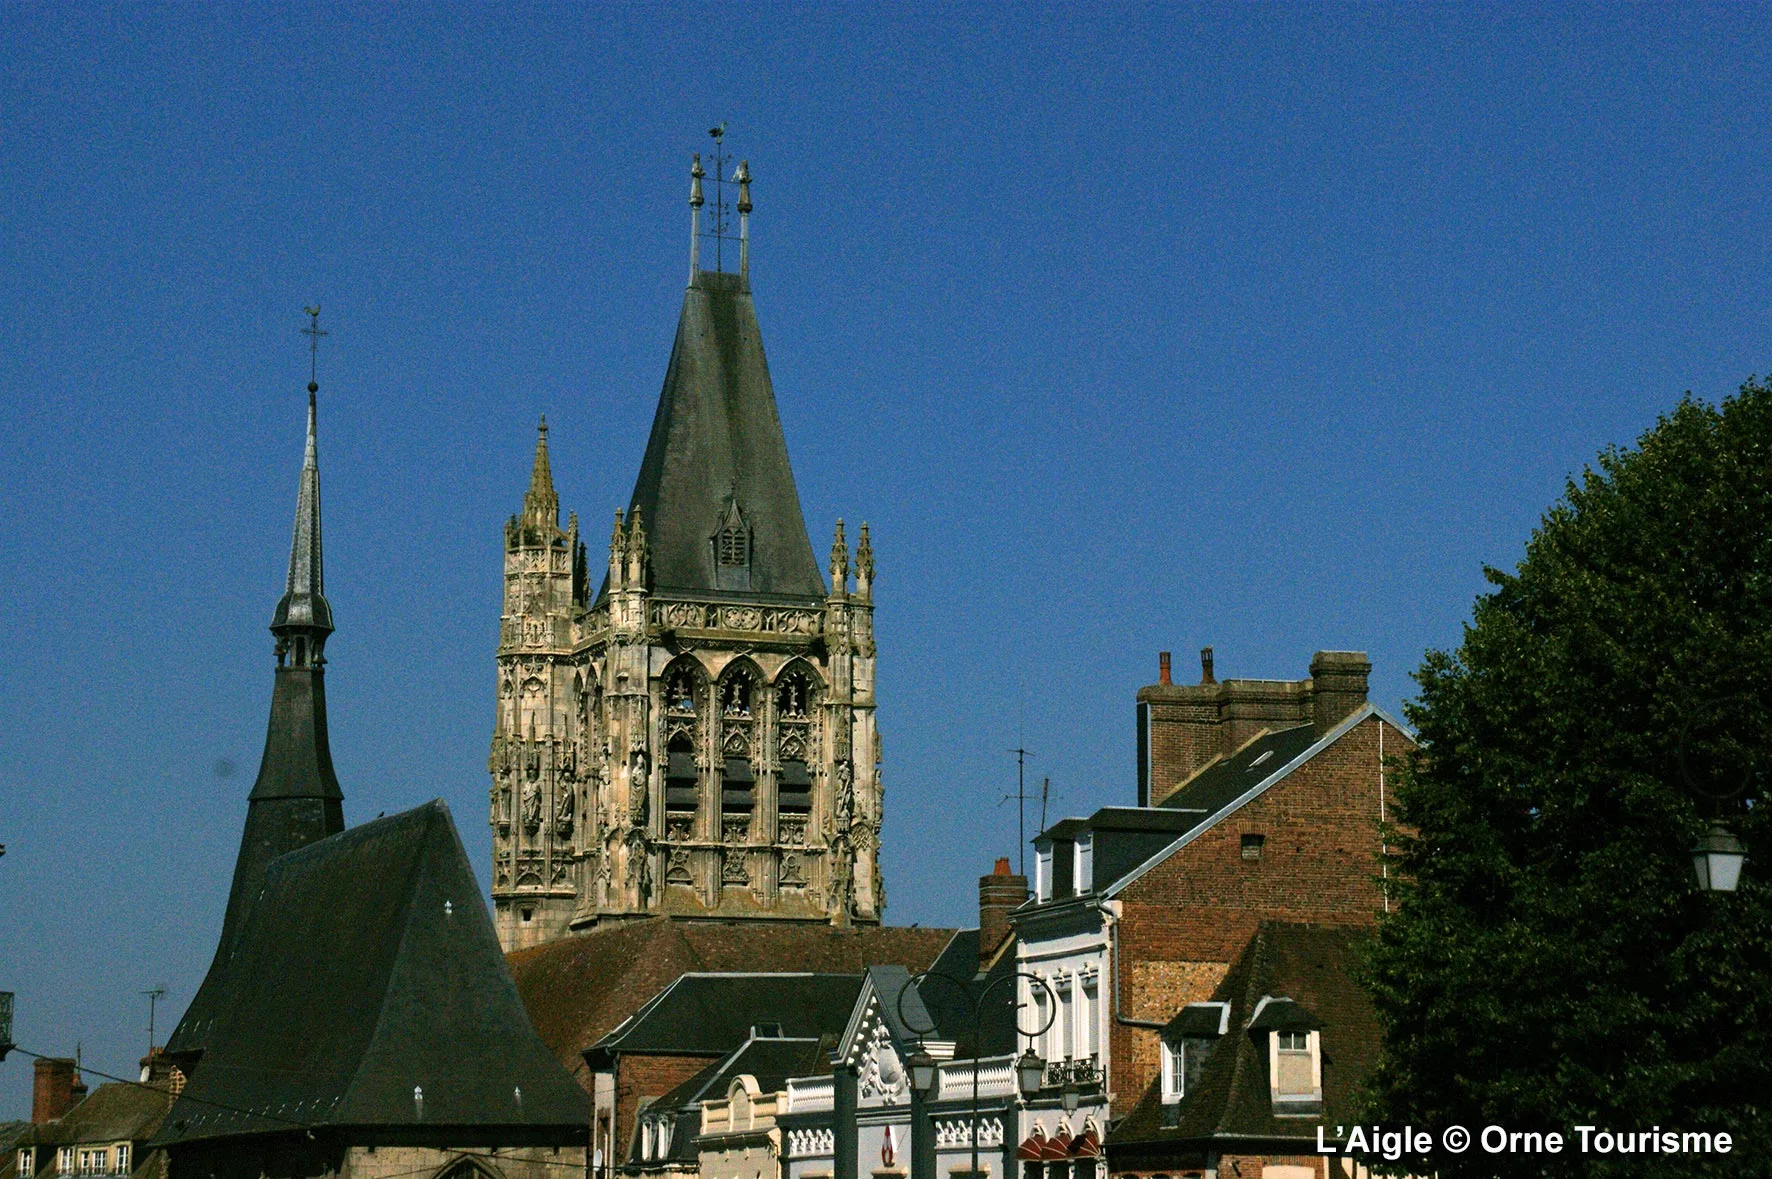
<point>1089,1011</point>
<point>1083,864</point>
<point>1043,872</point>
<point>27,1163</point>
<point>64,1160</point>
<point>1065,1026</point>
<point>1174,1072</point>
<point>1293,1072</point>
<point>1037,995</point>
<point>122,1153</point>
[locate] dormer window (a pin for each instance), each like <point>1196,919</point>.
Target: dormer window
<point>1188,1041</point>
<point>1083,870</point>
<point>1043,872</point>
<point>732,548</point>
<point>1294,1056</point>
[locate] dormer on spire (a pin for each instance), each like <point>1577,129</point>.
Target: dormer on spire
<point>731,543</point>
<point>303,617</point>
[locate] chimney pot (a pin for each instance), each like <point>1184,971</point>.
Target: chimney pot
<point>1163,668</point>
<point>1206,676</point>
<point>999,894</point>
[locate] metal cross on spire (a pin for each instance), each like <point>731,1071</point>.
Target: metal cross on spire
<point>722,219</point>
<point>313,332</point>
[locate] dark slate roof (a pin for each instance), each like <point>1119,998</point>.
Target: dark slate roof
<point>111,1113</point>
<point>578,989</point>
<point>1122,838</point>
<point>1223,782</point>
<point>1313,967</point>
<point>950,1009</point>
<point>370,967</point>
<point>295,799</point>
<point>717,432</point>
<point>710,1014</point>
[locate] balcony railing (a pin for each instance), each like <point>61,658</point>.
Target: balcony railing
<point>1083,1073</point>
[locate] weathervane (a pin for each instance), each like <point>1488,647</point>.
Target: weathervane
<point>313,332</point>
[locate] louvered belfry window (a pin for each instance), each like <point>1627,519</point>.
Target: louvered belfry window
<point>734,545</point>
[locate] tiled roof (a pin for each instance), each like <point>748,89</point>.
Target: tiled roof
<point>578,989</point>
<point>1314,967</point>
<point>1226,780</point>
<point>111,1113</point>
<point>369,969</point>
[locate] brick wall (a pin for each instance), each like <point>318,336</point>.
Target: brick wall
<point>639,1077</point>
<point>1186,920</point>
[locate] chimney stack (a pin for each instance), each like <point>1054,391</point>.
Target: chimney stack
<point>55,1088</point>
<point>999,894</point>
<point>1206,676</point>
<point>1163,668</point>
<point>1338,686</point>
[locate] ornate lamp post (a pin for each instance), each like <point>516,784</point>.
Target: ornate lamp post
<point>1030,1070</point>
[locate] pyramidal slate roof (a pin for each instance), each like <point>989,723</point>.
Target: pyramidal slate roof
<point>295,799</point>
<point>717,434</point>
<point>367,973</point>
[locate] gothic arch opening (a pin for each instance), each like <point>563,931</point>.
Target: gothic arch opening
<point>797,690</point>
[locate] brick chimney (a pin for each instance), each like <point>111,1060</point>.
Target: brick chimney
<point>1163,676</point>
<point>998,895</point>
<point>56,1088</point>
<point>1338,686</point>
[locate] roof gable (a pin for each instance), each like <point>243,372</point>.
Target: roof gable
<point>1289,751</point>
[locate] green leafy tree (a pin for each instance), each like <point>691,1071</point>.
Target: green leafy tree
<point>1550,961</point>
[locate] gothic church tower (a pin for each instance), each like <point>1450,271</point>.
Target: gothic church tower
<point>697,739</point>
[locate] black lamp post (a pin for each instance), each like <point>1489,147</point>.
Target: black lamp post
<point>1030,1070</point>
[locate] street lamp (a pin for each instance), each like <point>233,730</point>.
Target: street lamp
<point>1030,1070</point>
<point>1717,857</point>
<point>1716,860</point>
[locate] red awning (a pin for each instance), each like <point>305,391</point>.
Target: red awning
<point>1033,1146</point>
<point>1058,1146</point>
<point>1086,1145</point>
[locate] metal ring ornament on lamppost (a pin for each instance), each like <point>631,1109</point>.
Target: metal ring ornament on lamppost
<point>1717,857</point>
<point>1029,1069</point>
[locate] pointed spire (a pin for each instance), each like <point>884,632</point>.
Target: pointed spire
<point>541,507</point>
<point>743,176</point>
<point>864,562</point>
<point>303,617</point>
<point>839,562</point>
<point>695,202</point>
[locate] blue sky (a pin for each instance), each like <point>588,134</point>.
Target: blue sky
<point>1127,328</point>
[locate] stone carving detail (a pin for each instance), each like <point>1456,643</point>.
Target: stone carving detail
<point>531,805</point>
<point>639,868</point>
<point>683,614</point>
<point>677,869</point>
<point>678,828</point>
<point>792,873</point>
<point>882,1073</point>
<point>733,869</point>
<point>741,618</point>
<point>797,622</point>
<point>735,830</point>
<point>738,741</point>
<point>562,871</point>
<point>501,867</point>
<point>793,830</point>
<point>639,778</point>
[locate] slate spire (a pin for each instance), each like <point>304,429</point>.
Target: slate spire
<point>303,617</point>
<point>717,443</point>
<point>296,800</point>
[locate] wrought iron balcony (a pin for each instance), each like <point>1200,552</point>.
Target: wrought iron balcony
<point>1083,1073</point>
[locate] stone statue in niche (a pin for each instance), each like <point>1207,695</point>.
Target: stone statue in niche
<point>563,809</point>
<point>638,781</point>
<point>531,804</point>
<point>845,794</point>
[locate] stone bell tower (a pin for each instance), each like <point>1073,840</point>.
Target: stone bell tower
<point>697,738</point>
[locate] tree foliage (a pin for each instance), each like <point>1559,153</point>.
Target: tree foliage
<point>1550,961</point>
